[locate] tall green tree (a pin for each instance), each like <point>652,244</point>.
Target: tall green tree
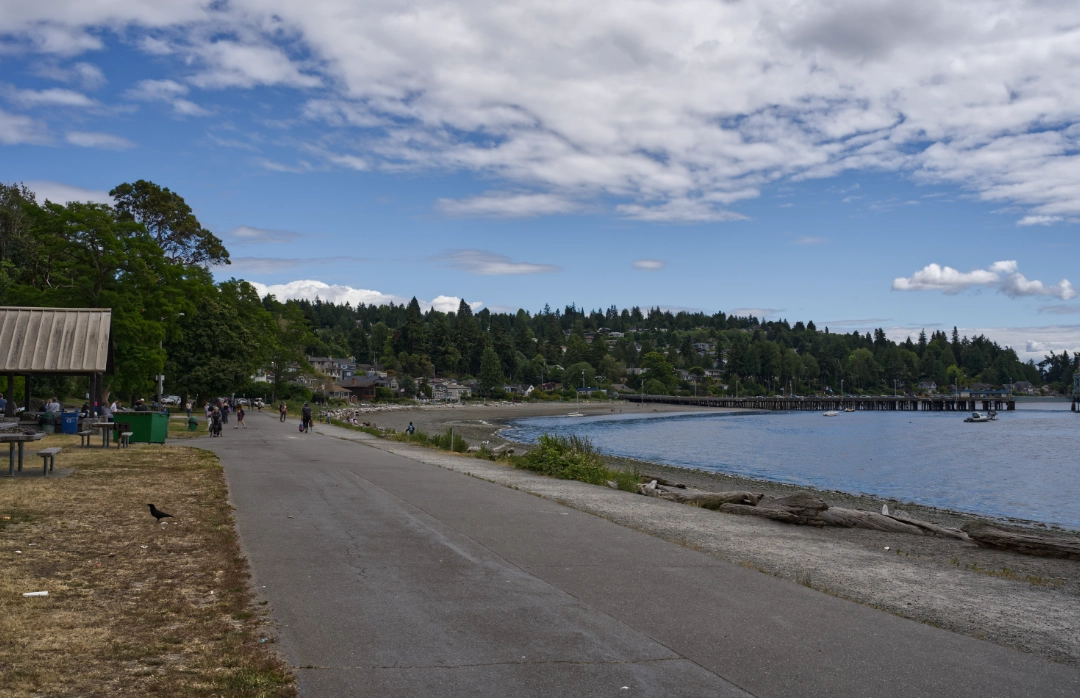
<point>168,218</point>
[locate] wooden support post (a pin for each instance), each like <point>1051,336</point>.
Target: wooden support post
<point>9,410</point>
<point>26,392</point>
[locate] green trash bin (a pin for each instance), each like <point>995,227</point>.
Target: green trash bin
<point>146,427</point>
<point>192,424</point>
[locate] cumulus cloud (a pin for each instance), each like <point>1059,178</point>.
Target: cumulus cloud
<point>649,264</point>
<point>105,141</point>
<point>61,193</point>
<point>665,111</point>
<point>334,293</point>
<point>490,264</point>
<point>168,91</point>
<point>1002,276</point>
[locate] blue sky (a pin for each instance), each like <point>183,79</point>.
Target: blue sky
<point>897,165</point>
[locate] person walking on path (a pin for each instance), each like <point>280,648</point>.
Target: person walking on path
<point>283,411</point>
<point>240,417</point>
<point>305,418</point>
<point>187,406</point>
<point>225,412</point>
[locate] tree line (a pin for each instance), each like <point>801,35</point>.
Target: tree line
<point>148,258</point>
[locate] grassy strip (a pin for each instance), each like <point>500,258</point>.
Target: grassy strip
<point>135,607</point>
<point>563,457</point>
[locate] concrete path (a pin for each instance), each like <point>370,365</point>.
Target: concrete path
<point>391,577</point>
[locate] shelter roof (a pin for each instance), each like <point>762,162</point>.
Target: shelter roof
<point>54,340</point>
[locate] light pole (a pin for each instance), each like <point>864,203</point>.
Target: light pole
<point>161,376</point>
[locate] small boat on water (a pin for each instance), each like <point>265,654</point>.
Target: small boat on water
<point>849,409</point>
<point>831,413</point>
<point>976,417</point>
<point>574,414</point>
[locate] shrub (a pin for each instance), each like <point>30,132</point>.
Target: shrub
<point>567,458</point>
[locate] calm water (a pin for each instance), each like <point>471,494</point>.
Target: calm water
<point>1024,465</point>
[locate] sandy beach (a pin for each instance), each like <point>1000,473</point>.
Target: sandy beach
<point>1025,602</point>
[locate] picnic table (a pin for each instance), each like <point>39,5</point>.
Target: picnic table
<point>105,428</point>
<point>11,440</point>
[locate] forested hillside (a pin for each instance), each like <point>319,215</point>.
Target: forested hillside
<point>760,356</point>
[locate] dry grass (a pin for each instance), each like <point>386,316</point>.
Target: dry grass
<point>134,607</point>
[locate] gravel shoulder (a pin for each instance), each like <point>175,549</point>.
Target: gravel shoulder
<point>1027,603</point>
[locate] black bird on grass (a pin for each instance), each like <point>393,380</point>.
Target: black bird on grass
<point>158,514</point>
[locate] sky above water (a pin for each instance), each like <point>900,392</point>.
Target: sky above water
<point>860,164</point>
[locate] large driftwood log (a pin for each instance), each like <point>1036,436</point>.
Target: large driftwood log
<point>936,529</point>
<point>800,508</point>
<point>766,513</point>
<point>989,536</point>
<point>854,518</point>
<point>705,499</point>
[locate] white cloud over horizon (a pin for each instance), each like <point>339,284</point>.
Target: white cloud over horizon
<point>660,111</point>
<point>335,293</point>
<point>1001,276</point>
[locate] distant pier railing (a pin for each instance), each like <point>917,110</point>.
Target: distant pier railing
<point>822,404</point>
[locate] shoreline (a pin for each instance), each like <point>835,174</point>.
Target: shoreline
<point>486,424</point>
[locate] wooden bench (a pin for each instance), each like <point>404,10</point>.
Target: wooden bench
<point>48,458</point>
<point>125,437</point>
<point>84,438</point>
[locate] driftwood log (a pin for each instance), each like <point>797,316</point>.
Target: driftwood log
<point>936,529</point>
<point>854,518</point>
<point>703,498</point>
<point>989,536</point>
<point>801,508</point>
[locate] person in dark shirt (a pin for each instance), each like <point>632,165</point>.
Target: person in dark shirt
<point>305,417</point>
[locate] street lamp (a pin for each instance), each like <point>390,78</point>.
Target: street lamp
<point>161,376</point>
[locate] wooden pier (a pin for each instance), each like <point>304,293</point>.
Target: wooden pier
<point>824,404</point>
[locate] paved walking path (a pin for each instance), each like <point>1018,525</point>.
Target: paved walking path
<point>392,577</point>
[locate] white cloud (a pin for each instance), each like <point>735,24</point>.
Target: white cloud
<point>1002,276</point>
<point>88,75</point>
<point>310,290</point>
<point>244,234</point>
<point>491,264</point>
<point>508,205</point>
<point>17,128</point>
<point>55,97</point>
<point>168,91</point>
<point>450,304</point>
<point>1038,220</point>
<point>671,109</point>
<point>234,64</point>
<point>106,141</point>
<point>61,193</point>
<point>649,264</point>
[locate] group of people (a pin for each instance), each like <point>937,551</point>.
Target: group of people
<point>217,414</point>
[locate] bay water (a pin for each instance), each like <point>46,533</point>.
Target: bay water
<point>1024,465</point>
